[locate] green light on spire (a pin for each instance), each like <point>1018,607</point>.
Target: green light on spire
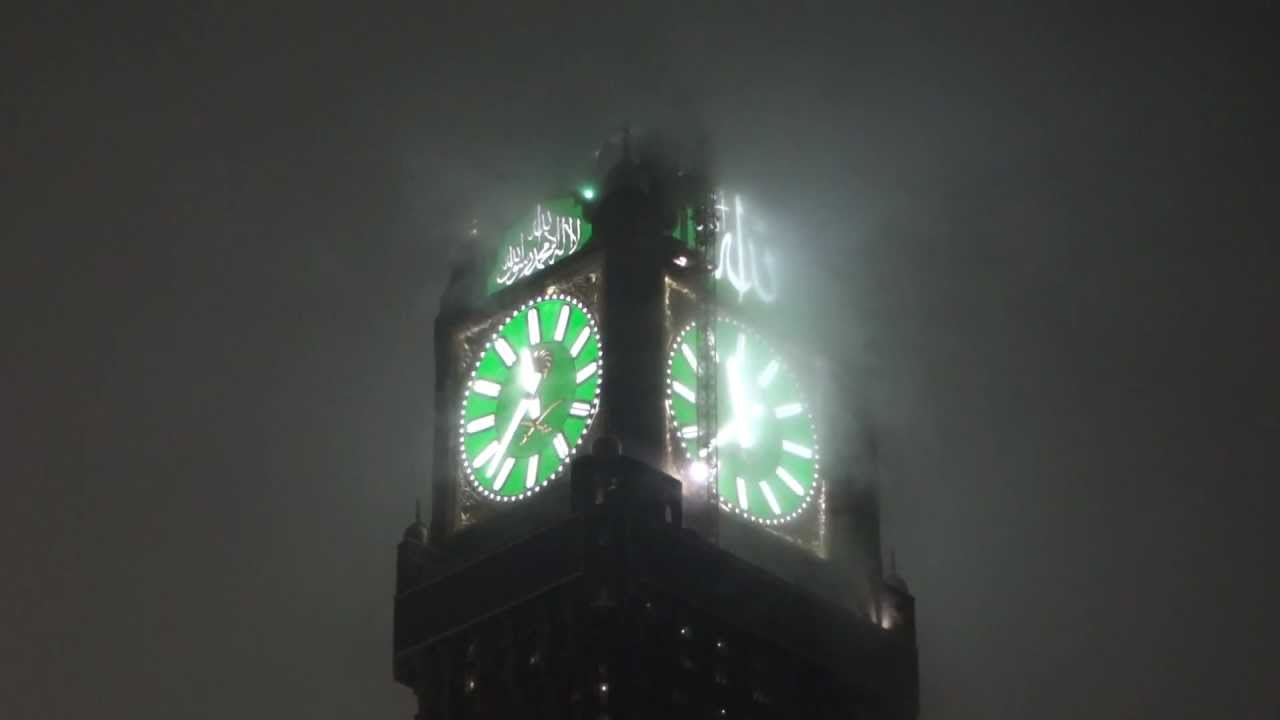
<point>588,193</point>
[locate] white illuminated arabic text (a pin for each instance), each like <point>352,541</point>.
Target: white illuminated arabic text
<point>551,238</point>
<point>738,261</point>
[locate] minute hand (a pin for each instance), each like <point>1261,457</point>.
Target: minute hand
<point>516,417</point>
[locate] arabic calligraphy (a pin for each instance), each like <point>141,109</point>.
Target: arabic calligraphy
<point>550,238</point>
<point>739,262</point>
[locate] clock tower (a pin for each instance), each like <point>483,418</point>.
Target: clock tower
<point>631,511</point>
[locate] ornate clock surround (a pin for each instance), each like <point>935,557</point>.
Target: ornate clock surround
<point>578,278</point>
<point>807,527</point>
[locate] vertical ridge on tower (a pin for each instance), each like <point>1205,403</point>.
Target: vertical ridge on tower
<point>708,229</point>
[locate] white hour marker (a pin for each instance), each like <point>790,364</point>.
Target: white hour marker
<point>485,455</point>
<point>766,376</point>
<point>535,327</point>
<point>797,450</point>
<point>531,478</point>
<point>562,447</point>
<point>503,473</point>
<point>580,341</point>
<point>481,423</point>
<point>587,371</point>
<point>485,387</point>
<point>788,410</point>
<point>769,498</point>
<point>562,323</point>
<point>504,351</point>
<point>579,409</point>
<point>790,481</point>
<point>688,355</point>
<point>689,432</point>
<point>684,392</point>
<point>742,494</point>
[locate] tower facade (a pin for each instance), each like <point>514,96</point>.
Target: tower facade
<point>631,509</point>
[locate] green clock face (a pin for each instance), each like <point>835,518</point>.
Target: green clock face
<point>531,397</point>
<point>766,445</point>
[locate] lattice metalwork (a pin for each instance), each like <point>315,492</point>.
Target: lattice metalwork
<point>709,219</point>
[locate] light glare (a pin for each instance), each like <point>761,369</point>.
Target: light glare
<point>698,471</point>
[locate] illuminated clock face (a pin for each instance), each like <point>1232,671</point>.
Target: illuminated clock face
<point>765,441</point>
<point>530,398</point>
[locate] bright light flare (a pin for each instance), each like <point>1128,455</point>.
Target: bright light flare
<point>698,471</point>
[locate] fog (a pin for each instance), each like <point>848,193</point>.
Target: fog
<point>1039,250</point>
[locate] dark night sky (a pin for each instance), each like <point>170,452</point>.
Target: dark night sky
<point>225,232</point>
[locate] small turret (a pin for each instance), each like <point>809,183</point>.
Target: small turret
<point>892,578</point>
<point>417,532</point>
<point>897,606</point>
<point>411,553</point>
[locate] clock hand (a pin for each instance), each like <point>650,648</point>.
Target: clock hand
<point>523,366</point>
<point>733,369</point>
<point>537,423</point>
<point>728,433</point>
<point>527,375</point>
<point>516,417</point>
<point>529,378</point>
